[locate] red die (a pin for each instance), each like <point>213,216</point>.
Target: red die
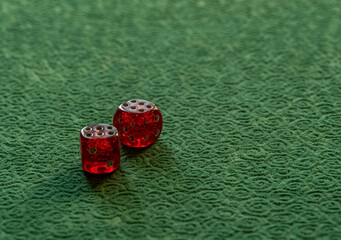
<point>100,148</point>
<point>139,123</point>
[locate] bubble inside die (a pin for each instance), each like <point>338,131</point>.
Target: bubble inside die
<point>139,123</point>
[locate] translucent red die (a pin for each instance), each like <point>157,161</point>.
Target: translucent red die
<point>139,123</point>
<point>100,148</point>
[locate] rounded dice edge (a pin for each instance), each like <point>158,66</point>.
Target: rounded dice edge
<point>138,129</point>
<point>100,153</point>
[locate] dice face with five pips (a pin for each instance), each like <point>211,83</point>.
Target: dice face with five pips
<point>139,123</point>
<point>100,148</point>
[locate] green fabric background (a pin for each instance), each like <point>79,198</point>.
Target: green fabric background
<point>250,92</point>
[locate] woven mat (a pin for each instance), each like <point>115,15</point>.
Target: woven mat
<point>250,92</point>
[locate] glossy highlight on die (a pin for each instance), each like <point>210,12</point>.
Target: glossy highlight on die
<point>139,123</point>
<point>100,148</point>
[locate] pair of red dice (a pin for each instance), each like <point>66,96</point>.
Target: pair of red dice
<point>136,123</point>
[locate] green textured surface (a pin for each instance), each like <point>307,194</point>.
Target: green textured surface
<point>250,92</point>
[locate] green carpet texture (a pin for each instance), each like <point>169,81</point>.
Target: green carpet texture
<point>250,93</point>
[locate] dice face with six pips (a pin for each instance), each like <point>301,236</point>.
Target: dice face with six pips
<point>100,148</point>
<point>139,123</point>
